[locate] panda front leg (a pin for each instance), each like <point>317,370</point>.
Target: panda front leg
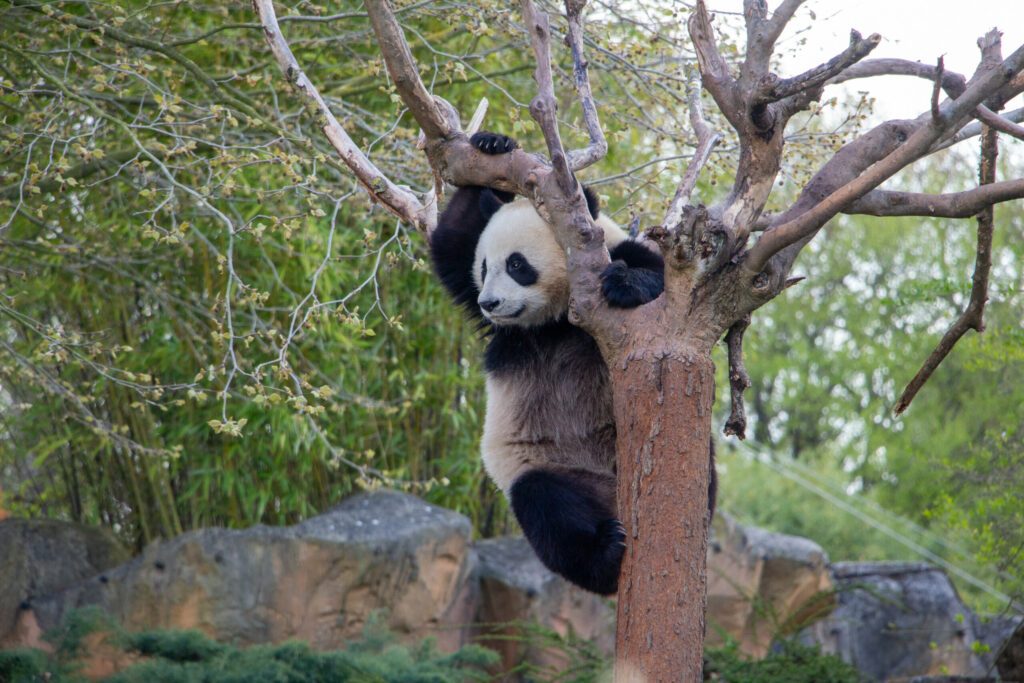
<point>568,516</point>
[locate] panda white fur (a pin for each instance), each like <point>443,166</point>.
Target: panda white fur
<point>549,432</point>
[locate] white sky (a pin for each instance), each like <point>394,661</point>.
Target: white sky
<point>919,30</point>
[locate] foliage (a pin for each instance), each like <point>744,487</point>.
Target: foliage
<point>189,656</point>
<point>32,666</point>
<point>789,662</point>
<point>570,658</point>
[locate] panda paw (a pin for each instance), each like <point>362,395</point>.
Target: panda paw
<point>625,287</point>
<point>492,143</point>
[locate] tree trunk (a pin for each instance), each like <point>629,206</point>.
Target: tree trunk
<point>663,399</point>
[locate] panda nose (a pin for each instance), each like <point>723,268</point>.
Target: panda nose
<point>489,304</point>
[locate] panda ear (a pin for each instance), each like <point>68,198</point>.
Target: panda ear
<point>492,200</point>
<point>593,203</point>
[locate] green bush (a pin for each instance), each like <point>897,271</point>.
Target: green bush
<point>790,662</point>
<point>191,657</point>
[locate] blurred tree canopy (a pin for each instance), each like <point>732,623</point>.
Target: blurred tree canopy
<point>204,322</point>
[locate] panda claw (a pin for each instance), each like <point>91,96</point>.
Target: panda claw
<point>492,143</point>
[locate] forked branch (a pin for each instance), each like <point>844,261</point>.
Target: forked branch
<point>714,70</point>
<point>598,147</point>
<point>973,317</point>
<point>543,108</point>
<point>762,34</point>
<point>952,115</point>
<point>773,89</point>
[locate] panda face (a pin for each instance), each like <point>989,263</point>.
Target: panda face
<point>519,269</point>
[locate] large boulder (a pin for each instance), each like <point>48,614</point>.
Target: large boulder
<point>516,589</point>
<point>42,556</point>
<point>898,620</point>
<point>762,584</point>
<point>318,581</point>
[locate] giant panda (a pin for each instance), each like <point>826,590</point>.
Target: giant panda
<point>549,430</point>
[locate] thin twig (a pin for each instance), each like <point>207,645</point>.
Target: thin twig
<point>973,317</point>
<point>707,138</point>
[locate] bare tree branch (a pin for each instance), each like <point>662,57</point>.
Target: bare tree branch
<point>739,380</point>
<point>973,317</point>
<point>598,147</point>
<point>406,77</point>
<point>543,107</point>
<point>974,129</point>
<point>918,144</point>
<point>952,83</point>
<point>1000,123</point>
<point>777,23</point>
<point>954,205</point>
<point>772,89</point>
<point>398,200</point>
<point>763,32</point>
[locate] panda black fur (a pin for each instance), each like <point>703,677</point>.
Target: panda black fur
<point>549,433</point>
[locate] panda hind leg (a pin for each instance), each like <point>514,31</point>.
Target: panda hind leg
<point>568,516</point>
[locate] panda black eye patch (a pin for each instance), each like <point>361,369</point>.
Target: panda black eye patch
<point>483,271</point>
<point>520,270</point>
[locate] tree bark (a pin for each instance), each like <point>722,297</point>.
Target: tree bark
<point>663,397</point>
